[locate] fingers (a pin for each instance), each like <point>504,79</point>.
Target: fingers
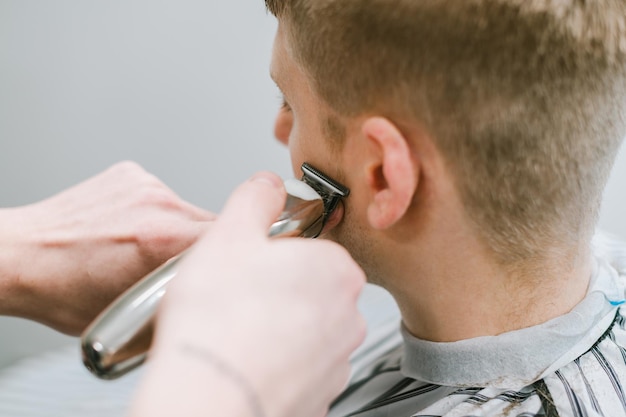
<point>254,205</point>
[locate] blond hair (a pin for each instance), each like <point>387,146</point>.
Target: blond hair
<point>525,99</point>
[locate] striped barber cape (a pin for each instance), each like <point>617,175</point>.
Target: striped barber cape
<point>574,365</point>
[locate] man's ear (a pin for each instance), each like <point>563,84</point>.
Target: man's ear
<point>391,172</point>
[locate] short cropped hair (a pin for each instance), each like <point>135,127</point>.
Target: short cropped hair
<point>525,99</point>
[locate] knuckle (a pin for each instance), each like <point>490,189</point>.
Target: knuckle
<point>155,247</point>
<point>127,167</point>
<point>158,197</point>
<point>135,175</point>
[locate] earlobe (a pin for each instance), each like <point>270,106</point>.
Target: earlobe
<point>391,173</point>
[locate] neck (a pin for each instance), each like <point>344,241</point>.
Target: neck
<point>465,296</point>
<point>460,293</point>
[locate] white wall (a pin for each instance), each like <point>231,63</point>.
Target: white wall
<point>613,215</point>
<point>180,86</point>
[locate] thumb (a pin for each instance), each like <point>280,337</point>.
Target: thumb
<point>254,205</point>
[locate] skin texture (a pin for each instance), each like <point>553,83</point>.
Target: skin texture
<point>406,226</point>
<point>64,259</point>
<point>276,330</point>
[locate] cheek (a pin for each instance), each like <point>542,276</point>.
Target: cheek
<point>302,139</point>
<point>298,156</point>
<point>286,131</point>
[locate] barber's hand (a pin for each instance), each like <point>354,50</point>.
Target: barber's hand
<point>252,326</point>
<point>72,254</point>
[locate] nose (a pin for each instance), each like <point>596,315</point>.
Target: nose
<point>283,125</point>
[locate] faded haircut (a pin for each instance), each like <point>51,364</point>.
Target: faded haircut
<point>525,99</point>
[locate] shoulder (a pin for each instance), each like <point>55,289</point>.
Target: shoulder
<point>594,382</point>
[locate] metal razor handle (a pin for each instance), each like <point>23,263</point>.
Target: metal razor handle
<point>119,338</point>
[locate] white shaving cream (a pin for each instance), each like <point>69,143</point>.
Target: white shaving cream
<point>301,190</point>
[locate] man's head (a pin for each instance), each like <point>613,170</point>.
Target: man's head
<point>522,99</point>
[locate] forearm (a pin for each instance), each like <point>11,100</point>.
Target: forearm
<point>32,267</point>
<point>35,264</point>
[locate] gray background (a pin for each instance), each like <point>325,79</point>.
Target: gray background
<point>181,87</point>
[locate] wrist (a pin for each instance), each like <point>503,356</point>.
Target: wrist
<point>197,371</point>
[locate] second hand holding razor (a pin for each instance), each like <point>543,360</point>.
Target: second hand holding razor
<point>118,340</point>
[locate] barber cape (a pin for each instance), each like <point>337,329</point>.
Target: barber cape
<point>574,365</point>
